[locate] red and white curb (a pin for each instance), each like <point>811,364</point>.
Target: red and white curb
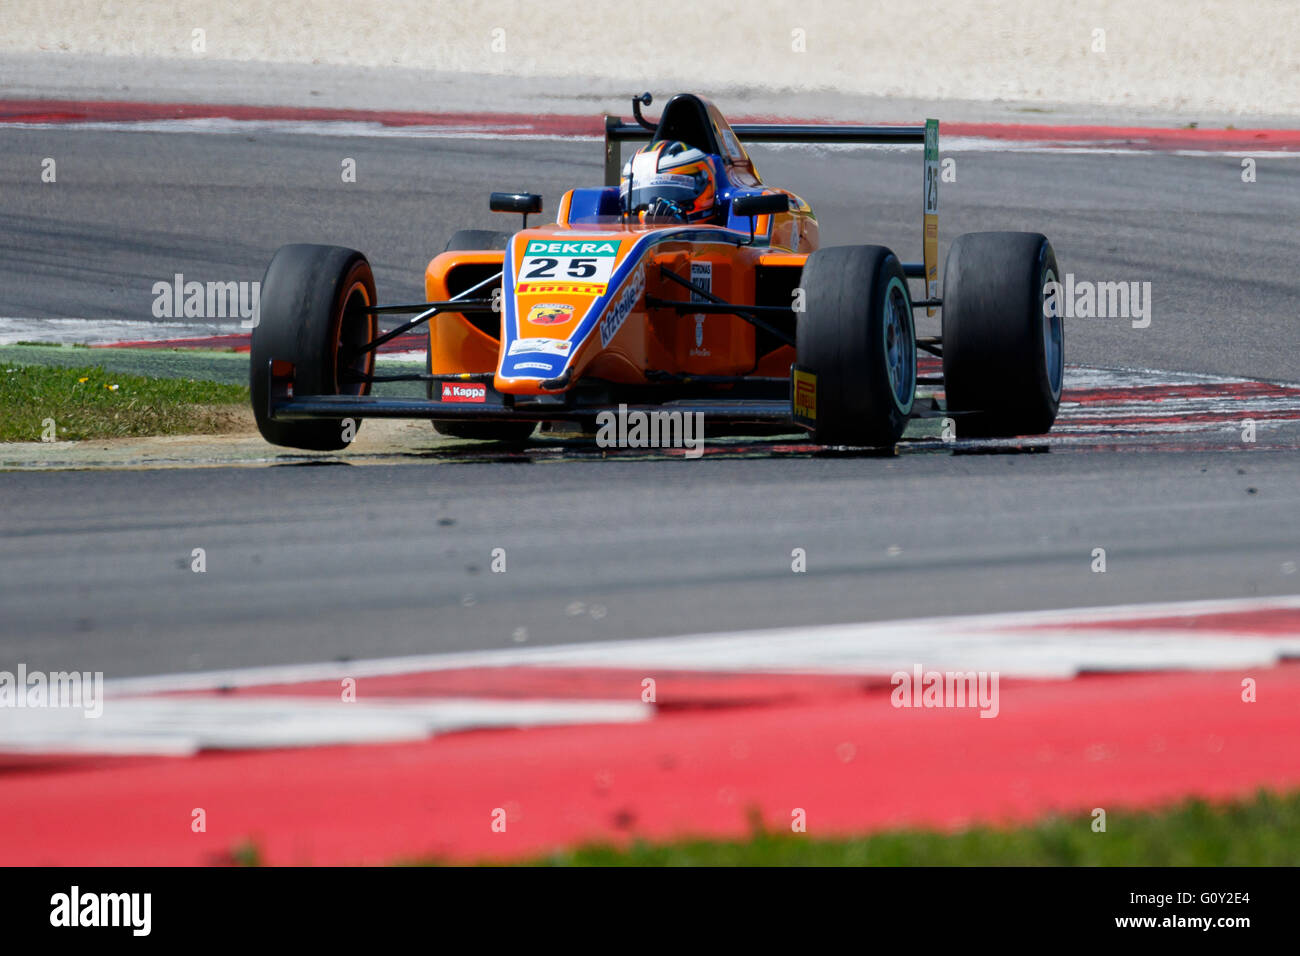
<point>413,698</point>
<point>1121,405</point>
<point>1106,399</point>
<point>957,137</point>
<point>743,724</point>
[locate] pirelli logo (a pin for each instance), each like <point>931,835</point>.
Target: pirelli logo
<point>805,395</point>
<point>573,288</point>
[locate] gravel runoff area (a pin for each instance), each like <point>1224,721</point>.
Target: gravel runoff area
<point>1073,59</point>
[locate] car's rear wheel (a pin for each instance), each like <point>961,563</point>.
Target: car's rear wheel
<point>1003,341</point>
<point>470,240</point>
<point>309,316</point>
<point>857,340</point>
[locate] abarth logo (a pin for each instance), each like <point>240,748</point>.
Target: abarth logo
<point>550,314</point>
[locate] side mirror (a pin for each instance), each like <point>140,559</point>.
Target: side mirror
<point>522,203</point>
<point>768,204</point>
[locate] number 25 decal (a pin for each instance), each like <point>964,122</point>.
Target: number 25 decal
<point>544,268</point>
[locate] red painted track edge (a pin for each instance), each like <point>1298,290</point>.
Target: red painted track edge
<point>58,112</point>
<point>853,763</point>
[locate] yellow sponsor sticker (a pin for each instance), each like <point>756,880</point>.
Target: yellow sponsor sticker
<point>805,395</point>
<point>550,313</point>
<point>570,288</point>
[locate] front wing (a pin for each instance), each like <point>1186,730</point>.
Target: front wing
<point>753,401</point>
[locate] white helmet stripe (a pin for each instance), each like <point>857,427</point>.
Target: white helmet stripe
<point>691,155</point>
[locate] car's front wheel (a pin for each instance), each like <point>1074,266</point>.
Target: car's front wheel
<point>312,314</point>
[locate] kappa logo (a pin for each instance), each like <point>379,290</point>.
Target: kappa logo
<point>469,392</point>
<point>550,313</point>
<point>614,319</point>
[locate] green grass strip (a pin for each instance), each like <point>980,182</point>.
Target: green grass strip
<point>42,403</point>
<point>229,368</point>
<point>1263,831</point>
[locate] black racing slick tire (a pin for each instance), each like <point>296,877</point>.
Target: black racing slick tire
<point>308,316</point>
<point>1003,342</point>
<point>857,341</point>
<point>473,240</point>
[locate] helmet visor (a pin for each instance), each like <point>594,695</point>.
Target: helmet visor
<point>675,187</point>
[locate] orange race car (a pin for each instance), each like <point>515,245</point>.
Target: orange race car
<point>684,284</point>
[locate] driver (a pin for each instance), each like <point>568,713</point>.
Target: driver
<point>669,182</point>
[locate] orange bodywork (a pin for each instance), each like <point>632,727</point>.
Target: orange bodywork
<point>577,300</point>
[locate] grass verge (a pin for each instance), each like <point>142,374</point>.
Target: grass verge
<point>1263,831</point>
<point>45,403</point>
<point>228,368</point>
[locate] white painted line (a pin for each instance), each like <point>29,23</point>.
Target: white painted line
<point>181,726</point>
<point>374,130</point>
<point>982,642</point>
<point>215,126</point>
<point>1040,644</point>
<point>73,331</point>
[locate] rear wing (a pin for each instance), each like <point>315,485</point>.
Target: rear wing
<point>618,132</point>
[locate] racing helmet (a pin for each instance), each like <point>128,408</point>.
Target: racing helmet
<point>669,180</point>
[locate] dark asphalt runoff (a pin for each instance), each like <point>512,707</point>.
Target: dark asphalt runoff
<point>307,563</point>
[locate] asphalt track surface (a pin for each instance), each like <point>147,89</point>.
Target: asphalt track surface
<point>325,562</point>
<point>317,563</point>
<point>132,208</point>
